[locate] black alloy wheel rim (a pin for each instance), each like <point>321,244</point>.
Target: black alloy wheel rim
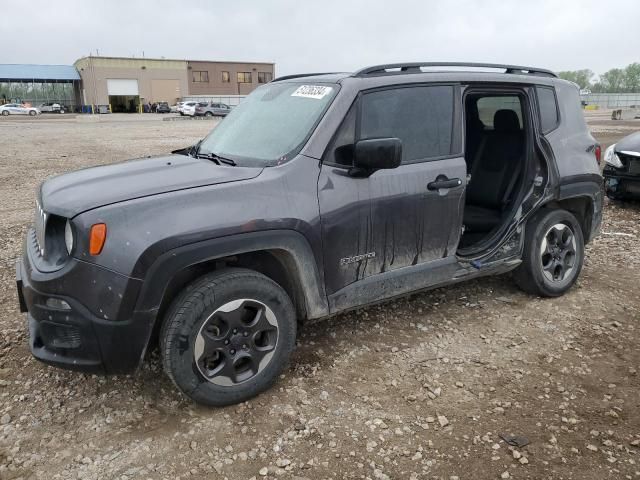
<point>236,342</point>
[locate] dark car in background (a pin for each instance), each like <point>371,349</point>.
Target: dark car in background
<point>163,107</point>
<point>212,109</point>
<point>622,168</point>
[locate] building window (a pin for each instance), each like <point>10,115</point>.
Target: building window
<point>244,77</point>
<point>201,77</point>
<point>226,78</point>
<point>265,77</point>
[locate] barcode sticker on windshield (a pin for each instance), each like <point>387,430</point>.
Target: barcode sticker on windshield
<point>311,91</point>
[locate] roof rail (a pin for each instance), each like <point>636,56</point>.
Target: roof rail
<point>415,68</point>
<point>301,75</point>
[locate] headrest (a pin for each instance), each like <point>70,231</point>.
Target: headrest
<point>506,121</point>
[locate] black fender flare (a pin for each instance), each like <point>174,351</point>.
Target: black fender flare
<point>584,185</point>
<point>160,273</point>
<point>589,186</point>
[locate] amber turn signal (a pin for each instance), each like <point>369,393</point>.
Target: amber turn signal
<point>97,236</point>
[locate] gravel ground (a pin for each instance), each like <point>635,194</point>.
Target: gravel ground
<point>419,388</point>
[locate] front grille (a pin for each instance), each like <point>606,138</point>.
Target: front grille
<point>40,224</point>
<point>633,164</point>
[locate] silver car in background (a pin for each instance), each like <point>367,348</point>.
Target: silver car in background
<point>18,109</point>
<point>212,109</point>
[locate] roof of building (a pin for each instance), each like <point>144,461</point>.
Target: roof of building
<point>154,59</point>
<point>38,72</point>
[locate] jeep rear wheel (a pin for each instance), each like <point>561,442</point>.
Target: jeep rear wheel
<point>228,336</point>
<point>553,254</point>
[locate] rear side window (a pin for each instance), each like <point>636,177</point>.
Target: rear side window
<point>488,106</point>
<point>422,117</point>
<point>548,108</point>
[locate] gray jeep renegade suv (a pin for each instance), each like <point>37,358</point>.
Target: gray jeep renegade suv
<point>319,193</point>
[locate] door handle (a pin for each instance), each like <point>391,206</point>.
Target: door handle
<point>444,182</point>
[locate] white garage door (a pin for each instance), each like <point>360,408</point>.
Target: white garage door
<point>122,86</point>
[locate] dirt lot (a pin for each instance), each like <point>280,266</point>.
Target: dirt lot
<point>420,388</point>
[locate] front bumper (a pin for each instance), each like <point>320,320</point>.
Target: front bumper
<point>69,333</point>
<point>621,184</point>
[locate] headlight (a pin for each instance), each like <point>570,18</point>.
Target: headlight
<point>611,157</point>
<point>68,236</point>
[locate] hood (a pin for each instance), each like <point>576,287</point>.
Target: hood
<point>630,143</point>
<point>76,192</point>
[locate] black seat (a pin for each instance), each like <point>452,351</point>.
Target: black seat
<point>474,132</point>
<point>494,173</point>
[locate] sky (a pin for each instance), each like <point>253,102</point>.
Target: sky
<point>326,35</point>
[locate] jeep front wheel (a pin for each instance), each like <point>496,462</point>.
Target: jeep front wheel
<point>228,336</point>
<point>553,254</point>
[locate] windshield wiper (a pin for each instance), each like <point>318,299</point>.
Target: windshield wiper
<point>214,157</point>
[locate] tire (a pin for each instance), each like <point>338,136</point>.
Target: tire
<point>5,112</point>
<point>32,113</point>
<point>206,358</point>
<point>558,234</point>
<point>208,114</point>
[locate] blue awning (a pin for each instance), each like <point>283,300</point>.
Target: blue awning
<point>38,72</point>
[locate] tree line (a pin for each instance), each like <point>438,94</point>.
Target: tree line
<point>616,80</point>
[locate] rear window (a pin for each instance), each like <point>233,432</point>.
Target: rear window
<point>422,117</point>
<point>548,108</point>
<point>488,106</point>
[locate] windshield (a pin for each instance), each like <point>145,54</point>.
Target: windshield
<point>271,124</point>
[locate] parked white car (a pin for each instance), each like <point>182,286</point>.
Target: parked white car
<point>188,108</point>
<point>18,109</point>
<point>179,106</point>
<point>51,108</point>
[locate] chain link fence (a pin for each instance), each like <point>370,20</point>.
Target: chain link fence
<point>612,100</point>
<point>37,92</point>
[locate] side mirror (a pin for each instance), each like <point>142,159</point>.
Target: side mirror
<point>377,153</point>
